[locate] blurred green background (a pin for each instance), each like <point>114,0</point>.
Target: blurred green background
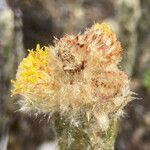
<point>24,23</point>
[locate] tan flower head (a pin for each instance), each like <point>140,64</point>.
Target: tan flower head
<point>77,73</point>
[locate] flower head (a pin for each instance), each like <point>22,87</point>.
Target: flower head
<point>77,73</point>
<point>31,69</point>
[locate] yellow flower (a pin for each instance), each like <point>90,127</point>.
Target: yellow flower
<point>31,70</point>
<point>104,27</point>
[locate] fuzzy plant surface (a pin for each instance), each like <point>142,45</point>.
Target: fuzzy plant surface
<point>78,83</point>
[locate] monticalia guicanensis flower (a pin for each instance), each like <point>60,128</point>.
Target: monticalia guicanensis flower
<point>79,73</point>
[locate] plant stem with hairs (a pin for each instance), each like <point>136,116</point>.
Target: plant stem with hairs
<point>86,135</point>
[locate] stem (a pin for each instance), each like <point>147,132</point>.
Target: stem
<point>86,135</point>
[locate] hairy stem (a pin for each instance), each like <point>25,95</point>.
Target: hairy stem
<point>85,135</point>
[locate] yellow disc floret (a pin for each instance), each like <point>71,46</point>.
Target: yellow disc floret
<point>32,69</point>
<point>104,27</point>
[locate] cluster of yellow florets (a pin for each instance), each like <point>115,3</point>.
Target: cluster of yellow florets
<point>104,27</point>
<point>78,72</point>
<point>31,70</point>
